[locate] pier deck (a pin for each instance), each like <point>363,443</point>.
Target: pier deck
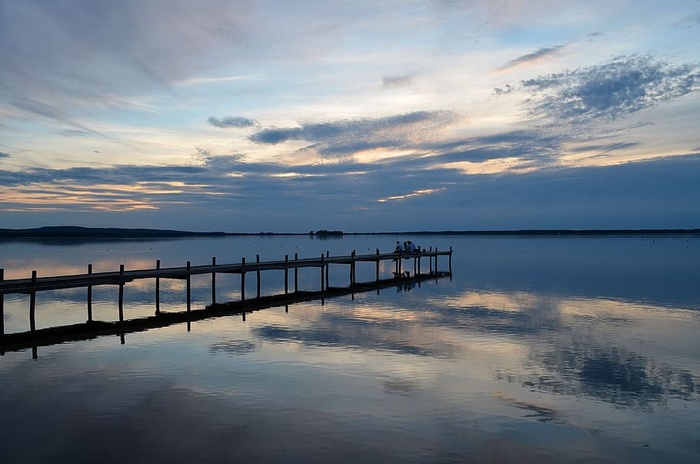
<point>35,284</point>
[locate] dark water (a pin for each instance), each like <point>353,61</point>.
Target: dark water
<point>561,349</point>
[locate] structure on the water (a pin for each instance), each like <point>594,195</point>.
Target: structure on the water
<point>91,328</point>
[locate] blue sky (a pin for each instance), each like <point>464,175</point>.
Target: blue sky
<point>248,116</point>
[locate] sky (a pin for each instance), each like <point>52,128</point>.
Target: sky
<point>293,115</point>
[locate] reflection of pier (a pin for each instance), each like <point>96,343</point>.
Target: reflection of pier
<point>92,328</point>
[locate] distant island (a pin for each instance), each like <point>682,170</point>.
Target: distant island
<point>327,233</point>
<point>77,232</point>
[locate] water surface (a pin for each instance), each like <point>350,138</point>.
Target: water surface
<point>539,349</point>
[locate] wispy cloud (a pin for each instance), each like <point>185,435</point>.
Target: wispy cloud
<point>38,108</point>
<point>216,80</point>
<point>607,148</point>
<point>396,81</point>
<point>539,55</point>
<point>232,121</point>
<point>68,53</point>
<point>415,193</point>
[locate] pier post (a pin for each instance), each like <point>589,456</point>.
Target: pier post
<point>189,293</point>
<point>430,258</point>
<point>213,281</point>
<point>89,297</point>
<point>2,305</point>
<point>450,260</point>
<point>296,273</point>
<point>436,264</point>
<point>121,295</point>
<point>286,274</point>
<point>322,270</point>
<point>419,260</point>
<point>32,311</point>
<point>352,269</point>
<point>243,282</point>
<point>157,290</point>
<point>377,267</point>
<point>257,260</point>
<point>32,305</point>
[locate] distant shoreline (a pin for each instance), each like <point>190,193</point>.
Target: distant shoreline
<point>75,232</point>
<point>548,232</point>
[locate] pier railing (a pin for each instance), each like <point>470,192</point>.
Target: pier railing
<point>120,278</point>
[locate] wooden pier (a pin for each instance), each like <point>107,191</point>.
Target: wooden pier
<point>35,284</point>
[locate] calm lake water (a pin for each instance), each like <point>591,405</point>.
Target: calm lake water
<point>538,349</point>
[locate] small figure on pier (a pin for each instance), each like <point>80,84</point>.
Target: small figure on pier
<point>398,248</point>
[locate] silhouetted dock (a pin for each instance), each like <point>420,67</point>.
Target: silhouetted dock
<point>120,278</point>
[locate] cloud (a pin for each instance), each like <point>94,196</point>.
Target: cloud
<point>529,58</point>
<point>71,54</point>
<point>607,148</point>
<point>232,121</point>
<point>342,138</point>
<point>413,194</point>
<point>690,20</point>
<point>502,91</point>
<point>396,81</point>
<point>521,144</point>
<point>625,85</point>
<point>38,108</point>
<point>5,155</point>
<point>227,193</point>
<point>75,133</point>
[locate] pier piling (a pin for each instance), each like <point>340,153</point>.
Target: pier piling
<point>296,272</point>
<point>157,289</point>
<point>322,270</point>
<point>213,280</point>
<point>189,287</point>
<point>243,280</point>
<point>2,305</point>
<point>377,267</point>
<point>121,294</point>
<point>89,296</point>
<point>257,275</point>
